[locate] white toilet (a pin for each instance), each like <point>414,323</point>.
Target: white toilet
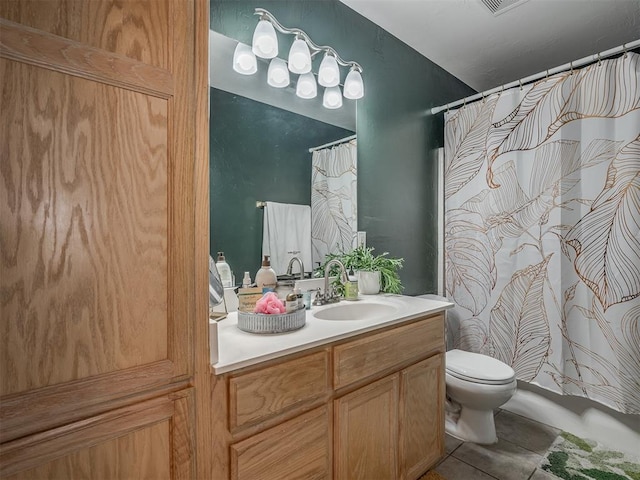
<point>476,384</point>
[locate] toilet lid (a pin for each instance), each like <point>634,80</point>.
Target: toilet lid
<point>478,368</point>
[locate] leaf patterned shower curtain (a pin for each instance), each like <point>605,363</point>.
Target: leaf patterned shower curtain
<point>542,230</point>
<point>334,205</point>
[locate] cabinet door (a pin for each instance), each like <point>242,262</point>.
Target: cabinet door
<point>366,432</point>
<point>297,449</point>
<point>97,237</point>
<point>421,437</point>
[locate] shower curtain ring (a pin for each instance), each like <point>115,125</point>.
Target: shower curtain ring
<point>447,108</point>
<point>599,60</point>
<point>571,65</point>
<point>624,47</point>
<point>547,74</point>
<point>520,82</point>
<point>464,102</point>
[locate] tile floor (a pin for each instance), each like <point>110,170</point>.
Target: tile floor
<point>521,445</point>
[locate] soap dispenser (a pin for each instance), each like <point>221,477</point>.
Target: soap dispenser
<point>224,270</point>
<point>266,278</point>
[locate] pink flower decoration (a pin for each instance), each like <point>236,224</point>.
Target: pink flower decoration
<point>270,304</point>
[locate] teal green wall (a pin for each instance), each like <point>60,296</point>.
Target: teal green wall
<point>397,136</point>
<point>258,152</point>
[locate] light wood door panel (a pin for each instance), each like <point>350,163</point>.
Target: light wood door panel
<point>145,440</point>
<point>85,229</point>
<point>421,435</point>
<point>138,29</point>
<point>366,432</point>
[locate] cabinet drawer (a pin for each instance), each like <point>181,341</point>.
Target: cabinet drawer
<point>360,359</point>
<point>300,448</point>
<point>271,391</point>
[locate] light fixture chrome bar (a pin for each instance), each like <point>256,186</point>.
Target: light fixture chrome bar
<point>596,57</point>
<point>265,14</point>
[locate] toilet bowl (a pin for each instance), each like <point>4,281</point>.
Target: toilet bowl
<point>476,385</point>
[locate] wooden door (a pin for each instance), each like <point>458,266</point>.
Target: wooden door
<point>421,433</point>
<point>97,205</point>
<point>366,432</point>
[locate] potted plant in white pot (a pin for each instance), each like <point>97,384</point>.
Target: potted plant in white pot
<point>376,273</point>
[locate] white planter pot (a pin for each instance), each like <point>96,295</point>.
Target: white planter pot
<point>368,282</point>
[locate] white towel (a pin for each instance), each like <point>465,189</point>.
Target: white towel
<point>286,234</point>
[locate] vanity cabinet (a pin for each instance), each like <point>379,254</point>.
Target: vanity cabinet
<point>370,406</point>
<point>391,428</point>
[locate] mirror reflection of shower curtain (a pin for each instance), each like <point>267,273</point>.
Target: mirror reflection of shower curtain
<point>334,206</point>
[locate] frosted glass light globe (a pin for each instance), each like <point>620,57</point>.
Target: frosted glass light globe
<point>306,87</point>
<point>265,41</point>
<point>329,73</point>
<point>332,98</point>
<point>278,74</point>
<point>353,85</point>
<point>299,57</point>
<point>244,61</point>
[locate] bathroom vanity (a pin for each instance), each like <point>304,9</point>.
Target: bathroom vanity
<point>358,392</point>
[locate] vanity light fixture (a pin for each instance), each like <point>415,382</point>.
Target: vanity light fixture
<point>299,62</point>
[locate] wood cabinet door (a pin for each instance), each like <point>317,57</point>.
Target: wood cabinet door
<point>366,432</point>
<point>97,216</point>
<point>297,449</point>
<point>421,411</point>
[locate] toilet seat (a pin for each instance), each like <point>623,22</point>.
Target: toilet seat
<point>477,368</point>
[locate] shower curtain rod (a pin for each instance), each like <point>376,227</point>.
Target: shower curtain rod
<point>596,57</point>
<point>330,144</point>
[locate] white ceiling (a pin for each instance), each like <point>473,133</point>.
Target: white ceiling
<point>486,50</point>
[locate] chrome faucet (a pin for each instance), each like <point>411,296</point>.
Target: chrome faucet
<point>290,267</point>
<point>329,296</point>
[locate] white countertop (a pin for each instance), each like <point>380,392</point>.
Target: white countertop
<point>237,349</point>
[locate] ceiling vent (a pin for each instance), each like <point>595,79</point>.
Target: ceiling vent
<point>498,7</point>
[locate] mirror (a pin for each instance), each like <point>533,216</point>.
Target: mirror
<point>260,141</point>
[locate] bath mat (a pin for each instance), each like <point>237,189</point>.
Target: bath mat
<point>574,458</point>
<point>432,475</point>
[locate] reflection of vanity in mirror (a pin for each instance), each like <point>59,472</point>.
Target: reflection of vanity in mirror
<point>260,141</point>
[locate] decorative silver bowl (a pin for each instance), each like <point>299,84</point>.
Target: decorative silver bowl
<point>276,323</point>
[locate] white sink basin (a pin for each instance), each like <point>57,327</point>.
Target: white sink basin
<point>360,310</point>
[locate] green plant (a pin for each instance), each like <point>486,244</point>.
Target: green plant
<point>362,258</point>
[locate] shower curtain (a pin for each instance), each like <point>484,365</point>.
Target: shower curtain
<point>542,230</point>
<point>334,214</point>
